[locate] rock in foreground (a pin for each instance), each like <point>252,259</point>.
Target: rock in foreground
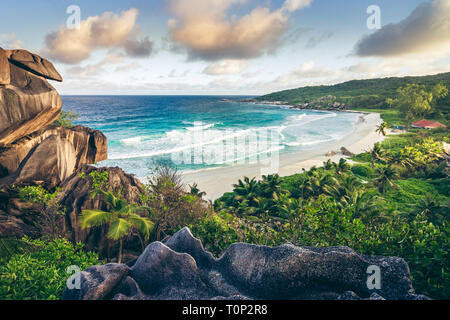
<point>180,268</point>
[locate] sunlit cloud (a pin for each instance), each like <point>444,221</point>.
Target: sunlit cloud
<point>225,67</point>
<point>108,31</point>
<point>204,29</point>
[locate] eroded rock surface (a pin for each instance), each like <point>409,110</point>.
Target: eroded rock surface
<point>50,163</point>
<point>90,146</point>
<point>28,102</point>
<point>181,269</point>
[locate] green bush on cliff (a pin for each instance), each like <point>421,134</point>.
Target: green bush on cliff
<point>66,119</point>
<point>41,274</point>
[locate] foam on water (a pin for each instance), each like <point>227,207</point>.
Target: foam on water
<point>143,129</point>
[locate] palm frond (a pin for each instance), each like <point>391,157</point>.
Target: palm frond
<point>12,246</point>
<point>144,225</point>
<point>95,218</point>
<point>118,229</point>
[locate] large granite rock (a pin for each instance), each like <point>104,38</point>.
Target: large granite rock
<point>27,101</point>
<point>179,268</point>
<point>50,163</point>
<point>75,197</point>
<point>90,147</point>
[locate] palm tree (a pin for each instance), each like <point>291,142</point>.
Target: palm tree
<point>270,184</point>
<point>122,220</point>
<point>377,153</point>
<point>246,190</point>
<point>294,210</point>
<point>328,165</point>
<point>341,166</point>
<point>365,205</point>
<point>386,175</point>
<point>431,208</point>
<point>195,191</point>
<point>381,129</point>
<point>317,182</point>
<point>342,189</point>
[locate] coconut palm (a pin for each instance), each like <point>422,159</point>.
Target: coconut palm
<point>365,205</point>
<point>381,129</point>
<point>432,208</point>
<point>341,167</point>
<point>377,153</point>
<point>123,219</point>
<point>270,184</point>
<point>342,189</point>
<point>317,182</point>
<point>328,165</point>
<point>246,190</point>
<point>385,177</point>
<point>195,191</point>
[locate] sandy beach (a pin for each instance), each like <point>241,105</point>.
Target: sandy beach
<point>217,181</point>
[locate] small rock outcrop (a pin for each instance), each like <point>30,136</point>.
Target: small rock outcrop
<point>179,268</point>
<point>346,152</point>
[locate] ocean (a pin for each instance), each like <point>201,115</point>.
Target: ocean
<point>200,132</point>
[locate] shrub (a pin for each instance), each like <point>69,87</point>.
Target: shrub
<point>362,170</point>
<point>171,206</point>
<point>50,221</point>
<point>41,274</point>
<point>66,119</point>
<point>216,232</point>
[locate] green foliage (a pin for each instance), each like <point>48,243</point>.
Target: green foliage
<point>36,194</point>
<point>372,93</point>
<point>41,274</point>
<point>66,119</point>
<point>123,219</point>
<point>99,182</point>
<point>217,232</point>
<point>11,246</point>
<point>375,211</point>
<point>416,101</point>
<point>171,206</point>
<point>50,222</point>
<point>363,170</point>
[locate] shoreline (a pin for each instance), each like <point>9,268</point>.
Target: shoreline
<point>217,181</point>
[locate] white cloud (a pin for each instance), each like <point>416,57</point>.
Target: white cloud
<point>9,41</point>
<point>225,67</point>
<point>110,31</point>
<point>293,5</point>
<point>94,69</point>
<point>205,31</point>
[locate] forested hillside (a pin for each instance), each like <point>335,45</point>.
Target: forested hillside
<point>370,93</point>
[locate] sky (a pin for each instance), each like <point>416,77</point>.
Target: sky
<point>227,47</point>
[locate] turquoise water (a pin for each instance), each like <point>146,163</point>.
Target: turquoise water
<point>196,132</point>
